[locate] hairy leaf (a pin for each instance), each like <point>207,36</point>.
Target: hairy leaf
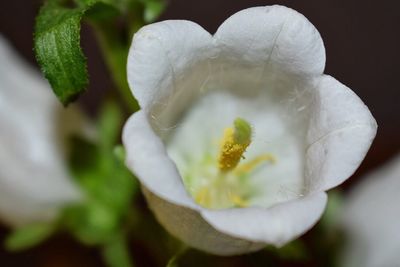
<point>57,45</point>
<point>58,51</point>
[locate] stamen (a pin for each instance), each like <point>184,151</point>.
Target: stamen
<point>203,197</point>
<point>228,187</point>
<point>238,201</point>
<point>252,164</point>
<point>210,197</point>
<point>234,144</point>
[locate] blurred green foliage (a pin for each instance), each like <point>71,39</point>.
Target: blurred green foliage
<point>28,236</point>
<point>107,184</point>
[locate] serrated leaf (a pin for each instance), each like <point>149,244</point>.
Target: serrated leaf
<point>57,46</point>
<point>58,51</point>
<point>28,236</point>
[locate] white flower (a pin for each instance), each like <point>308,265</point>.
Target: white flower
<point>34,181</point>
<point>264,65</point>
<point>371,219</point>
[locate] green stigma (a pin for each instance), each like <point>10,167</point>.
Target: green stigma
<point>242,133</point>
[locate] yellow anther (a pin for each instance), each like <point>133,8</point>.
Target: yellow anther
<point>238,201</point>
<point>234,144</point>
<point>203,197</point>
<point>251,165</point>
<point>229,187</point>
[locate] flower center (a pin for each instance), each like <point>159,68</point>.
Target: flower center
<point>226,183</point>
<point>234,144</point>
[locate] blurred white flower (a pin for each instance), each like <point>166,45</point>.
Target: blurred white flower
<point>34,181</point>
<point>371,219</point>
<point>264,65</point>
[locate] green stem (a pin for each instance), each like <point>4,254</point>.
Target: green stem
<point>116,252</point>
<point>115,52</point>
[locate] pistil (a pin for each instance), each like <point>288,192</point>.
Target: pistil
<point>234,143</point>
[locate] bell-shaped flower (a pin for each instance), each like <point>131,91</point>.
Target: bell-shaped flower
<point>371,219</point>
<point>34,180</point>
<point>240,133</point>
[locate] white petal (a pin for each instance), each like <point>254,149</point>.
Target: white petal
<point>160,57</point>
<point>371,219</point>
<point>277,225</point>
<point>148,159</point>
<point>33,178</point>
<point>340,133</point>
<point>188,225</point>
<point>274,36</point>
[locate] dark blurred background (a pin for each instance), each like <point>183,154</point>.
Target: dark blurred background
<point>362,40</point>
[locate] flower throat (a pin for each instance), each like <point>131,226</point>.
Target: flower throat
<point>222,181</point>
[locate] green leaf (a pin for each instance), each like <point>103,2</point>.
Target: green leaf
<point>58,51</point>
<point>28,236</point>
<point>57,46</point>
